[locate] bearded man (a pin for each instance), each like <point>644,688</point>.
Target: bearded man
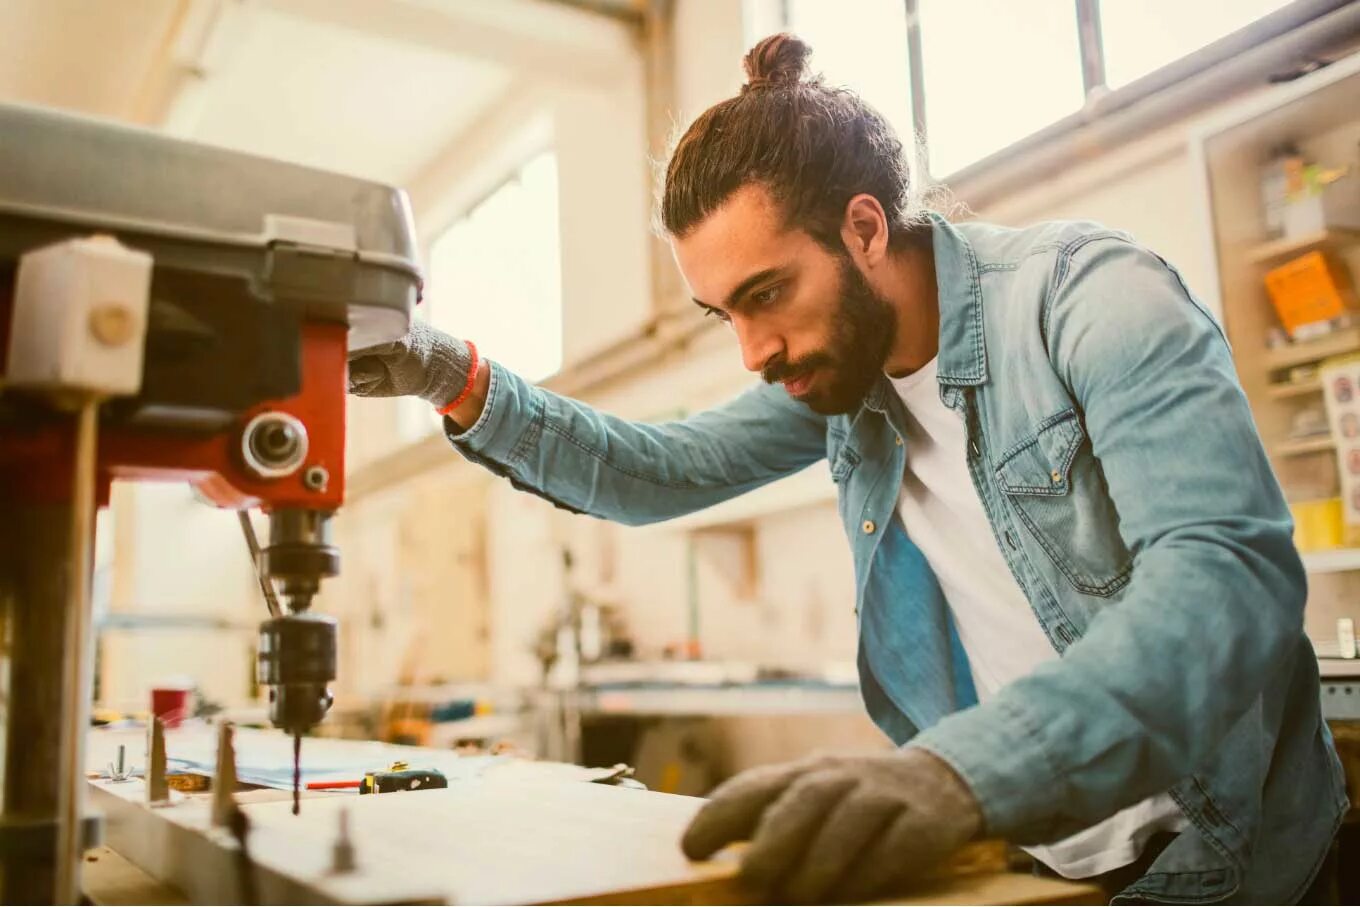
<point>1080,608</point>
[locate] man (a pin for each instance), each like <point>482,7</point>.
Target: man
<point>1080,608</point>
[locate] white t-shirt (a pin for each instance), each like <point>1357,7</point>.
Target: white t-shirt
<point>996,625</point>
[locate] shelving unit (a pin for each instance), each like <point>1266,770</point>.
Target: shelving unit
<point>1320,114</point>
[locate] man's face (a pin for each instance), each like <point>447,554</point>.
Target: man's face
<point>803,316</point>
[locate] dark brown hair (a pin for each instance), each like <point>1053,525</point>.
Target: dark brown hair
<point>813,147</point>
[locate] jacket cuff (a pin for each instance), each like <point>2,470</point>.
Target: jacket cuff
<point>999,753</point>
<point>499,432</point>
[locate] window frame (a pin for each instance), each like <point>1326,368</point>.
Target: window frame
<point>1103,103</point>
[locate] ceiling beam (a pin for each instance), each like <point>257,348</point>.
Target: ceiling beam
<point>548,39</point>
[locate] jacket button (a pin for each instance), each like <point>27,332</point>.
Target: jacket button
<point>869,527</point>
<point>1055,476</point>
<point>899,440</point>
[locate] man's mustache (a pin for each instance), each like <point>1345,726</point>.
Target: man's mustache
<point>780,369</point>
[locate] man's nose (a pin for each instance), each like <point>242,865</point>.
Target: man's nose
<point>758,346</point>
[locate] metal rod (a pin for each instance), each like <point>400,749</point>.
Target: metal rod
<point>76,686</point>
<point>1092,44</point>
<point>253,543</point>
<point>916,75</point>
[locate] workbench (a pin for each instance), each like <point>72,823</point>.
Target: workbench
<point>519,832</point>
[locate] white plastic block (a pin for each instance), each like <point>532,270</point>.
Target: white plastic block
<point>79,319</point>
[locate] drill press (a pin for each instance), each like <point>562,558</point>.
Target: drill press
<point>193,307</point>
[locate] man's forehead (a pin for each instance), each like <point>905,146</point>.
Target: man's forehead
<point>743,236</point>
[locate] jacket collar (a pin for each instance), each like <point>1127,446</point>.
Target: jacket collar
<point>963,354</point>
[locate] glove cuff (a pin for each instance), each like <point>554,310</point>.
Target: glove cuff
<point>448,365</point>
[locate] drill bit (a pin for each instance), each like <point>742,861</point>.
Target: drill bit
<point>297,770</point>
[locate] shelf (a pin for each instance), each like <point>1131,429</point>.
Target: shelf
<point>1337,343</point>
<point>1308,446</point>
<point>1284,391</point>
<point>1297,245</point>
<point>1334,560</point>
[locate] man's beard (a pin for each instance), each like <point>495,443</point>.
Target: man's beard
<point>862,335</point>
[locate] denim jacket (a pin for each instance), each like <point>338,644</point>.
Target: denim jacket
<point>1126,486</point>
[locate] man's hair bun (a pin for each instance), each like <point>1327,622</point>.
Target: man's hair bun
<point>779,60</point>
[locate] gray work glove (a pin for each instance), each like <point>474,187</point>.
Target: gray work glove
<point>426,363</point>
<point>848,828</point>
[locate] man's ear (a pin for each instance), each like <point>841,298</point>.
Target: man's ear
<point>865,230</point>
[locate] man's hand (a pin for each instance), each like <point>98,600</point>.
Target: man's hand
<point>844,827</point>
<point>426,363</point>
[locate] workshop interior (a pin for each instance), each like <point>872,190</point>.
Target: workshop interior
<point>267,641</point>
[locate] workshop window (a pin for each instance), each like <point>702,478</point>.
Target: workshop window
<point>994,73</point>
<point>866,53</point>
<point>1141,36</point>
<point>494,276</point>
<point>971,78</point>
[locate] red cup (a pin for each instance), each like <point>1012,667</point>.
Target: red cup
<point>170,705</point>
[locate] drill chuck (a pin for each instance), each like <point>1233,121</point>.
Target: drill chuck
<point>297,661</point>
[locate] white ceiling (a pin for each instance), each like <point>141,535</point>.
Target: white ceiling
<point>90,57</point>
<point>376,88</point>
<point>332,97</point>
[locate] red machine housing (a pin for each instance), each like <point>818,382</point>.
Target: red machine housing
<point>35,463</point>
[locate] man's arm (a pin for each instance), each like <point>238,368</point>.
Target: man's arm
<point>632,472</point>
<point>1216,598</point>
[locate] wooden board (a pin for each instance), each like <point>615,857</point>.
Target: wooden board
<point>109,879</point>
<point>483,842</point>
<point>521,832</point>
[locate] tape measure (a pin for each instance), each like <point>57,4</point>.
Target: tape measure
<point>402,777</point>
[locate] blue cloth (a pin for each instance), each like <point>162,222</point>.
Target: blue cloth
<point>1115,455</point>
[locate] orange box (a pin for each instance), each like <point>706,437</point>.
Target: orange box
<point>1308,289</point>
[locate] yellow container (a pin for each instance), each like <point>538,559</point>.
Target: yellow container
<point>1318,525</point>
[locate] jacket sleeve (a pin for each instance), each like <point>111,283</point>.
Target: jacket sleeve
<point>1214,607</point>
<point>633,472</point>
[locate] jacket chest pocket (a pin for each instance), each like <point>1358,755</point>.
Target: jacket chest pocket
<point>1055,485</point>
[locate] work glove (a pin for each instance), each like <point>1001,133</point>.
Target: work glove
<point>426,363</point>
<point>848,828</point>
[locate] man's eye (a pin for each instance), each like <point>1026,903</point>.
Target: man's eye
<point>766,296</point>
<point>718,314</point>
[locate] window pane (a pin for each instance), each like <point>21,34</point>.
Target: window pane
<point>995,71</point>
<point>865,52</point>
<point>1143,35</point>
<point>495,277</point>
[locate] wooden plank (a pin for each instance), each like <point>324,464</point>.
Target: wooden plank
<point>484,842</point>
<point>522,832</point>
